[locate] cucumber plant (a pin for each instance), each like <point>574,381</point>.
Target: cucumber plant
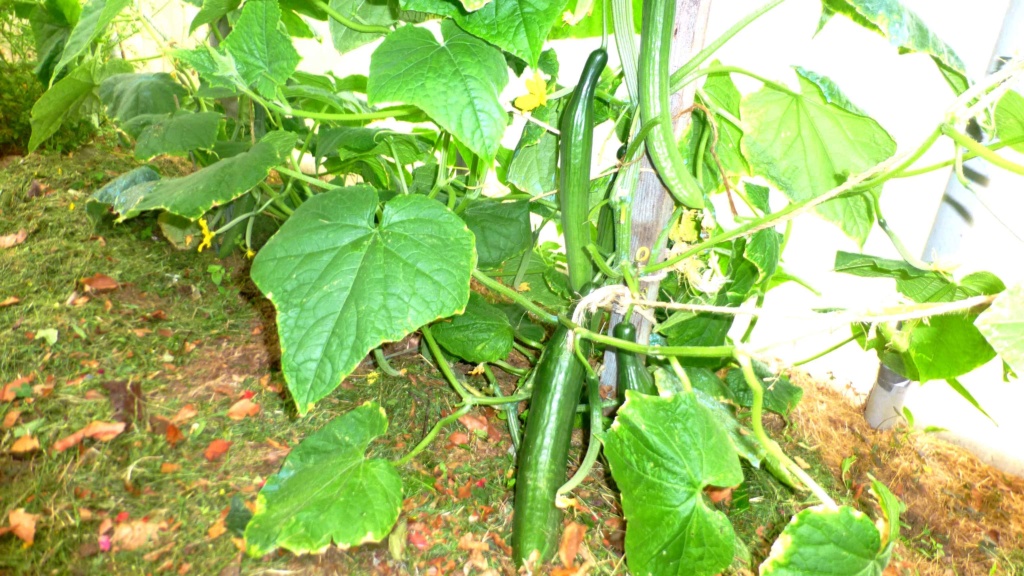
<point>363,232</point>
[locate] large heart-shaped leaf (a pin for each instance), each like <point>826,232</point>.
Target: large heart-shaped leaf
<point>212,11</point>
<point>807,145</point>
<point>178,134</point>
<point>821,540</point>
<point>263,54</point>
<point>344,282</point>
<point>519,27</point>
<point>121,193</point>
<point>663,452</point>
<point>129,95</point>
<point>95,17</point>
<point>502,230</point>
<point>456,83</point>
<point>62,99</point>
<point>217,184</point>
<point>373,12</point>
<point>1003,326</point>
<point>534,166</point>
<point>780,394</point>
<point>719,146</point>
<point>328,491</point>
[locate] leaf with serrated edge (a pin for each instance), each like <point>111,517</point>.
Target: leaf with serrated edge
<point>343,283</point>
<point>1003,326</point>
<point>662,471</point>
<point>821,541</point>
<point>263,54</point>
<point>456,83</point>
<point>328,491</point>
<point>482,334</point>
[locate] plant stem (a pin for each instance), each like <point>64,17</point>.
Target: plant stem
<point>516,297</point>
<point>593,445</point>
<point>979,149</point>
<point>435,351</point>
<point>679,76</point>
<point>661,351</point>
<point>510,368</point>
<point>349,23</point>
<point>462,411</point>
<point>826,351</point>
<point>382,363</point>
<point>757,391</point>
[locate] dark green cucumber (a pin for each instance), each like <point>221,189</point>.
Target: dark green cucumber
<point>544,451</point>
<point>633,375</point>
<point>575,146</point>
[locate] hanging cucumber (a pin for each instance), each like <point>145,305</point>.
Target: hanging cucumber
<point>575,146</point>
<point>633,375</point>
<point>544,451</point>
<point>655,87</point>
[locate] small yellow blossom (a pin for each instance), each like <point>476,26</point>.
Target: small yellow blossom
<point>249,253</point>
<point>523,287</point>
<point>536,96</point>
<point>71,206</point>
<point>207,235</point>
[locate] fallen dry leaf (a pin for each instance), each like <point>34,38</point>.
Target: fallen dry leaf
<point>473,423</point>
<point>173,435</point>
<point>13,239</point>
<point>244,407</point>
<point>9,301</point>
<point>458,439</point>
<point>572,537</point>
<point>216,449</point>
<point>717,495</point>
<point>11,418</point>
<point>187,412</point>
<point>217,530</point>
<point>21,524</point>
<point>10,390</point>
<point>169,468</point>
<point>98,283</point>
<point>102,431</point>
<point>133,535</point>
<point>94,395</point>
<point>25,444</point>
<point>126,399</point>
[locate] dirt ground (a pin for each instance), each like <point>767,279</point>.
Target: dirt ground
<point>184,339</point>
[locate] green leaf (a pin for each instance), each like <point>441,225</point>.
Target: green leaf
<point>96,16</point>
<point>129,95</point>
<point>820,541</point>
<point>763,250</point>
<point>63,99</point>
<point>263,54</point>
<point>534,165</point>
<point>212,11</point>
<point>502,230</point>
<point>327,491</point>
<point>591,24</point>
<point>1003,326</point>
<point>373,12</point>
<point>343,282</point>
<point>52,22</point>
<point>946,347</point>
<point>120,193</point>
<point>481,334</point>
<point>663,452</point>
<point>519,27</point>
<point>1010,120</point>
<point>456,83</point>
<point>723,142</point>
<point>903,29</point>
<point>780,394</point>
<point>916,284</point>
<point>758,195</point>
<point>807,146</point>
<point>178,134</point>
<point>219,183</point>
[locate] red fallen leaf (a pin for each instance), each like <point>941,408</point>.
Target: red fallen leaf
<point>473,423</point>
<point>98,283</point>
<point>121,517</point>
<point>25,444</point>
<point>244,407</point>
<point>248,394</point>
<point>187,412</point>
<point>173,435</point>
<point>9,301</point>
<point>458,439</point>
<point>21,524</point>
<point>10,390</point>
<point>13,239</point>
<point>216,449</point>
<point>572,537</point>
<point>418,537</point>
<point>464,491</point>
<point>155,316</point>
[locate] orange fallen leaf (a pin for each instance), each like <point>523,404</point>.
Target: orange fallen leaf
<point>458,439</point>
<point>9,301</point>
<point>99,283</point>
<point>169,468</point>
<point>10,390</point>
<point>473,423</point>
<point>216,449</point>
<point>717,495</point>
<point>142,332</point>
<point>11,418</point>
<point>217,530</point>
<point>102,431</point>
<point>187,412</point>
<point>572,537</point>
<point>13,239</point>
<point>25,444</point>
<point>21,524</point>
<point>94,395</point>
<point>133,535</point>
<point>69,441</point>
<point>173,435</point>
<point>244,407</point>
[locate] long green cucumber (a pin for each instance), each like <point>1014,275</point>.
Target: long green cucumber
<point>633,375</point>
<point>544,451</point>
<point>653,77</point>
<point>575,145</point>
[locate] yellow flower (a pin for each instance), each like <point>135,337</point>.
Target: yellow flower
<point>249,253</point>
<point>537,95</point>
<point>71,206</point>
<point>207,235</point>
